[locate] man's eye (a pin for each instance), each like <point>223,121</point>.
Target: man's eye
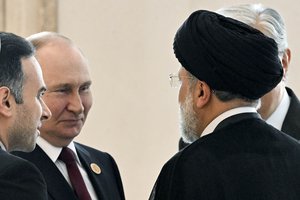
<point>62,90</point>
<point>85,88</point>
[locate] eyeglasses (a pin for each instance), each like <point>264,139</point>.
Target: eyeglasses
<point>175,80</point>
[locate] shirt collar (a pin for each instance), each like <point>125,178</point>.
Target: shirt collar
<point>277,117</point>
<point>53,151</point>
<point>213,124</point>
<point>2,146</point>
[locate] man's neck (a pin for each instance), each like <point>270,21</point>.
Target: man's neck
<point>271,100</point>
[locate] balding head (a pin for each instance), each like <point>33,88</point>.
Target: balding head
<point>41,39</point>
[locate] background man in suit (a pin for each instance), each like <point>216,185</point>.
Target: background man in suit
<point>69,98</point>
<point>21,112</point>
<point>280,107</point>
<point>226,67</point>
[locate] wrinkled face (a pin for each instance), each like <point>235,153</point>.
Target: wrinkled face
<point>188,118</point>
<point>68,94</point>
<point>29,115</point>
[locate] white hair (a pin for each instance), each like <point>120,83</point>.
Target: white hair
<point>266,20</point>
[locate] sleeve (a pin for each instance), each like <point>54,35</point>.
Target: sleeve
<point>162,189</point>
<point>188,177</point>
<point>22,180</point>
<point>118,177</point>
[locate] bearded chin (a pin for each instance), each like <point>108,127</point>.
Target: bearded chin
<point>188,121</point>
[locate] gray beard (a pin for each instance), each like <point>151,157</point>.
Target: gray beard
<point>188,120</point>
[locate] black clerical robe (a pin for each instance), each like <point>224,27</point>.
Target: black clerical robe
<point>244,158</point>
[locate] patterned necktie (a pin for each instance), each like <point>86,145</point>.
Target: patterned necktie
<point>68,157</point>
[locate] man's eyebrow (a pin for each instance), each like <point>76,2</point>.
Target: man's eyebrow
<point>67,85</point>
<point>87,83</point>
<point>61,85</point>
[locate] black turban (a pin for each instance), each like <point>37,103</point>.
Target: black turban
<point>228,55</point>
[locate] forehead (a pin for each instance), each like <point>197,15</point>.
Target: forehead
<point>62,63</point>
<point>32,70</point>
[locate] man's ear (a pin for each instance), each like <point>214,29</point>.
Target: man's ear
<point>202,94</point>
<point>6,100</point>
<point>286,59</point>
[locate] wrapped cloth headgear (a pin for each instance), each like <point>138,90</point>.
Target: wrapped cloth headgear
<point>228,55</point>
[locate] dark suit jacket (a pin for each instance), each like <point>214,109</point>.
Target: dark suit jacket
<point>20,180</point>
<point>243,159</point>
<point>107,184</point>
<point>291,123</point>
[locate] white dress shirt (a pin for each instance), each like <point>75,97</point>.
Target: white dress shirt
<point>277,117</point>
<point>213,124</point>
<point>53,153</point>
<point>2,146</point>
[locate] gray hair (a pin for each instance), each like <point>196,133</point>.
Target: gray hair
<point>266,20</point>
<point>223,96</point>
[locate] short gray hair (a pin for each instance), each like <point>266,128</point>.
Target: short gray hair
<point>223,96</point>
<point>266,20</point>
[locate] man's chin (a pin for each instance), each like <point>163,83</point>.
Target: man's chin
<point>24,148</point>
<point>71,132</point>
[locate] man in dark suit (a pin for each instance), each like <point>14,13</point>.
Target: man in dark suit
<point>280,107</point>
<point>21,113</point>
<point>226,67</point>
<point>69,98</point>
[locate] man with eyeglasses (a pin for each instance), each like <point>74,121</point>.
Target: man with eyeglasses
<point>226,67</point>
<point>280,107</point>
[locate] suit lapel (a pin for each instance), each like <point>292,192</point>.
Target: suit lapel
<point>58,187</point>
<point>86,161</point>
<point>291,123</point>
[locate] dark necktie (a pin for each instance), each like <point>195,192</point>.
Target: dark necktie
<point>68,157</point>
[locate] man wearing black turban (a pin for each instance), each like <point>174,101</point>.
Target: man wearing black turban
<point>280,107</point>
<point>226,67</point>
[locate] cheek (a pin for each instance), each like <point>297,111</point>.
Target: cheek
<point>87,102</point>
<point>55,105</point>
<point>182,94</point>
<point>36,109</point>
